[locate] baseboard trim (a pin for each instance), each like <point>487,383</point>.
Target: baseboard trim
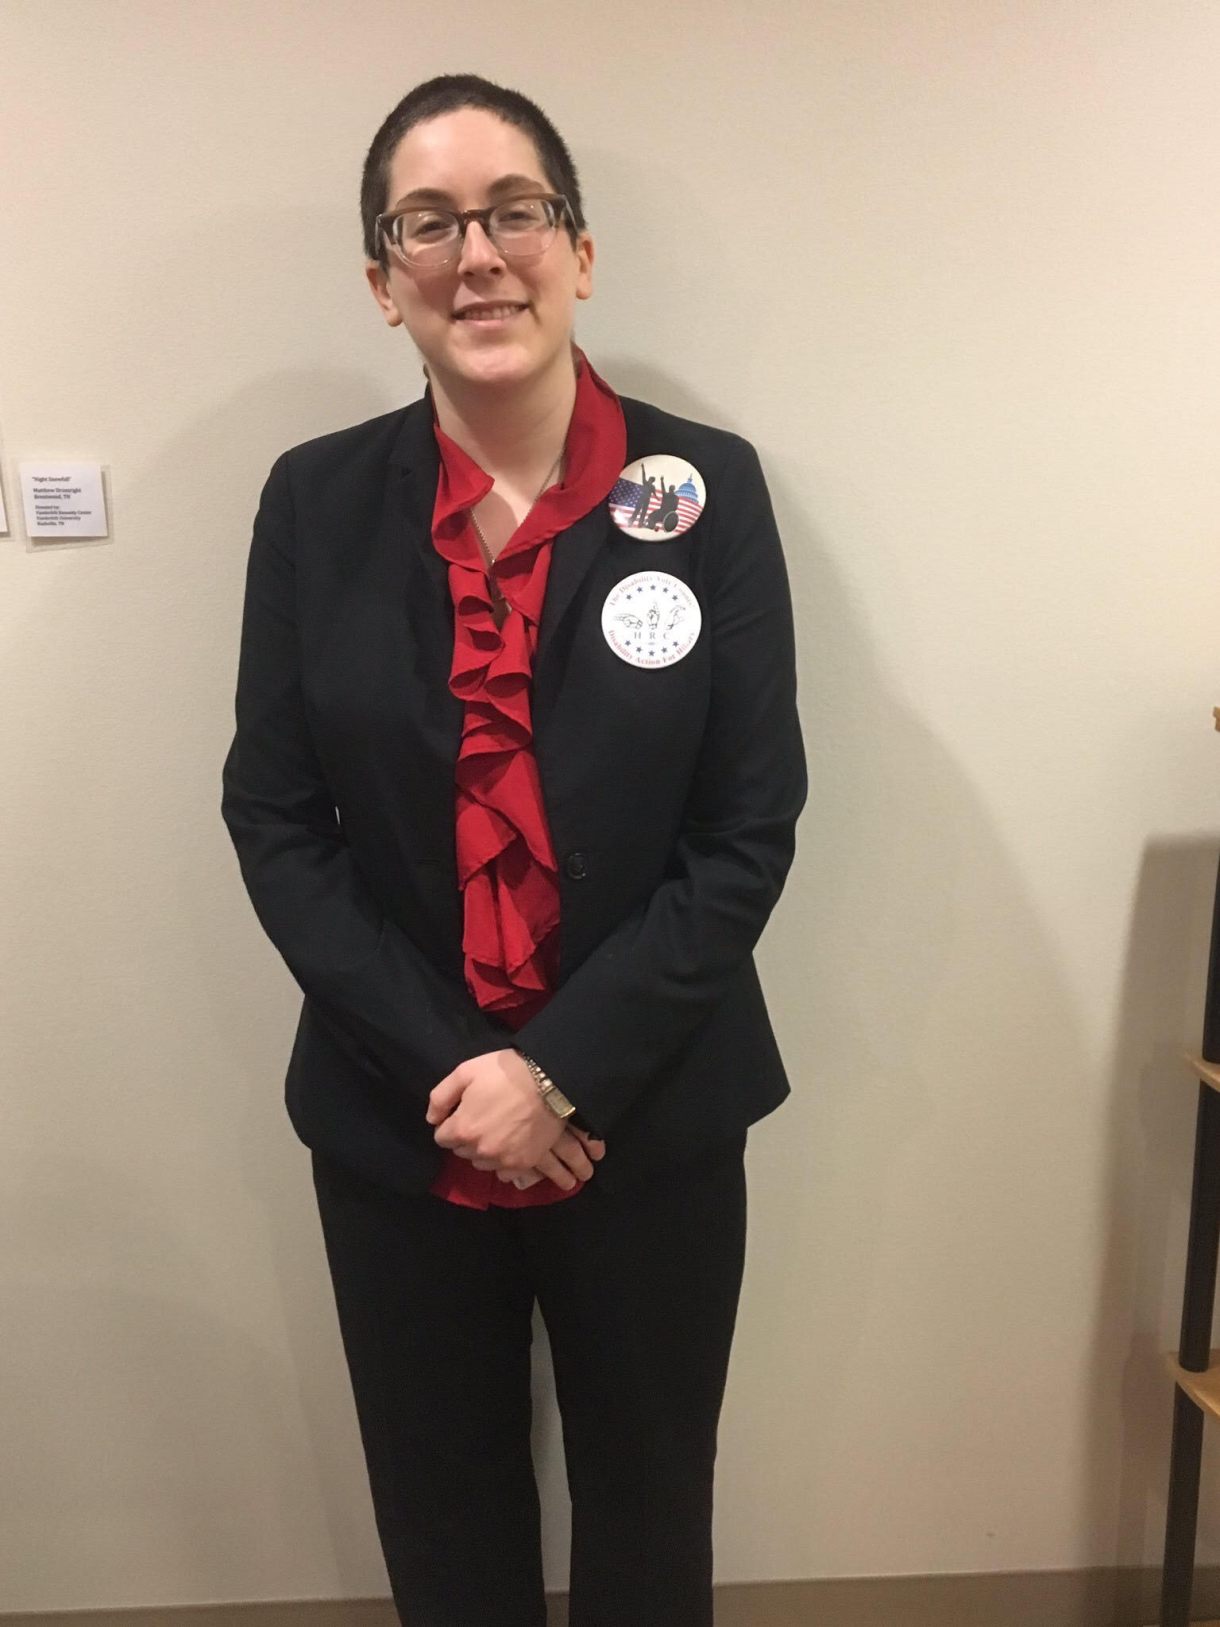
<point>1128,1597</point>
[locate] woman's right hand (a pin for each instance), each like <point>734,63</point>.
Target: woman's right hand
<point>571,1159</point>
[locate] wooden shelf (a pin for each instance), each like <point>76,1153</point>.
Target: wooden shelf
<point>1202,1388</point>
<point>1209,1072</point>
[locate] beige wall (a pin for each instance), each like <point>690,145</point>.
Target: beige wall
<point>969,318</point>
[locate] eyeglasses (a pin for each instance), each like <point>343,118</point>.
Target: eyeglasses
<point>519,227</point>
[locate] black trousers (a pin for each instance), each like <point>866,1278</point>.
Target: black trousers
<point>638,1291</point>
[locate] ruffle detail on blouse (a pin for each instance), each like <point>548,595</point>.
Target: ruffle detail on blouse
<point>507,870</point>
<point>506,864</point>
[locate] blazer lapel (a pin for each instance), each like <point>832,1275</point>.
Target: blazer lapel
<point>575,551</point>
<point>572,555</point>
<point>414,467</point>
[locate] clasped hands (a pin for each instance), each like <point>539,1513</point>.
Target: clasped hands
<point>489,1110</point>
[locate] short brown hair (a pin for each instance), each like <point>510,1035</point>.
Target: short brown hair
<point>445,94</point>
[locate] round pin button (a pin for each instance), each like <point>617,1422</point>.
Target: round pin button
<point>657,497</point>
<point>651,619</point>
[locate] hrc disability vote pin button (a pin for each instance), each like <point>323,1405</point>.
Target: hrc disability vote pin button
<point>651,619</point>
<point>658,497</point>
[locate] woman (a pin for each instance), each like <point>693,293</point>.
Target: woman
<point>514,788</point>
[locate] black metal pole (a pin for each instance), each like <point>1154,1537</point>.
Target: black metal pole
<point>1198,1308</point>
<point>1185,1458</point>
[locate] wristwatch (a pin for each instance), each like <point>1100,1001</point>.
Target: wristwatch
<point>552,1095</point>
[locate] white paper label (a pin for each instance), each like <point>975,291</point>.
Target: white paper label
<point>63,500</point>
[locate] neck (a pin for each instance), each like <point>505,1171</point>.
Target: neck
<point>513,430</point>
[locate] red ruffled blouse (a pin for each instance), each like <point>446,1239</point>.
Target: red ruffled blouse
<point>507,870</point>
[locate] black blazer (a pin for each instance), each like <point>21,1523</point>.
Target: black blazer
<point>672,795</point>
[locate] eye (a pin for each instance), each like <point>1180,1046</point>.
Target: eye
<point>423,228</point>
<point>522,214</point>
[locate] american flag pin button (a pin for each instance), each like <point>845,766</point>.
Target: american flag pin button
<point>658,497</point>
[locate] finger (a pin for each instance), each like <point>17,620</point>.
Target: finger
<point>557,1170</point>
<point>454,1132</point>
<point>518,1177</point>
<point>445,1096</point>
<point>569,1151</point>
<point>595,1147</point>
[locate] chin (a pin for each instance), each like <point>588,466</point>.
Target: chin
<point>499,364</point>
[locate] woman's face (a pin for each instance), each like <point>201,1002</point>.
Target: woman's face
<point>463,154</point>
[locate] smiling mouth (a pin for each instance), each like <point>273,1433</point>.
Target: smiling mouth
<point>493,313</point>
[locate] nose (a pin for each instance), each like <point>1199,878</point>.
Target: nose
<point>478,251</point>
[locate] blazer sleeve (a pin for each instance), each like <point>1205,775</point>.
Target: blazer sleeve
<point>641,993</point>
<point>387,1005</point>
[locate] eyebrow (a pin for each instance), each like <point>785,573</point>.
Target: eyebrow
<point>433,194</point>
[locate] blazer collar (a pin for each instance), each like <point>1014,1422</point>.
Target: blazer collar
<point>415,467</point>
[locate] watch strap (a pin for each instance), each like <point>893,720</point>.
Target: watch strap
<point>551,1093</point>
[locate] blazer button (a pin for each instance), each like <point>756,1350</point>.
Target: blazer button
<point>575,866</point>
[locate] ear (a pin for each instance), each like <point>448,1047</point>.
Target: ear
<point>584,265</point>
<point>378,283</point>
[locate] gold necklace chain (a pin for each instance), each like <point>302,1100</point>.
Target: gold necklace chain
<point>478,530</point>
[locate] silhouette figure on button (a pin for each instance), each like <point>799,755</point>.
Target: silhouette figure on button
<point>667,506</point>
<point>643,500</point>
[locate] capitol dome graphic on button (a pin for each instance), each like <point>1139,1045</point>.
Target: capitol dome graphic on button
<point>658,497</point>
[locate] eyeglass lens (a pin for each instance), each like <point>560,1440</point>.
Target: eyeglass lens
<point>517,226</point>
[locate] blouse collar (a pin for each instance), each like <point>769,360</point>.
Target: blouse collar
<point>594,448</point>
